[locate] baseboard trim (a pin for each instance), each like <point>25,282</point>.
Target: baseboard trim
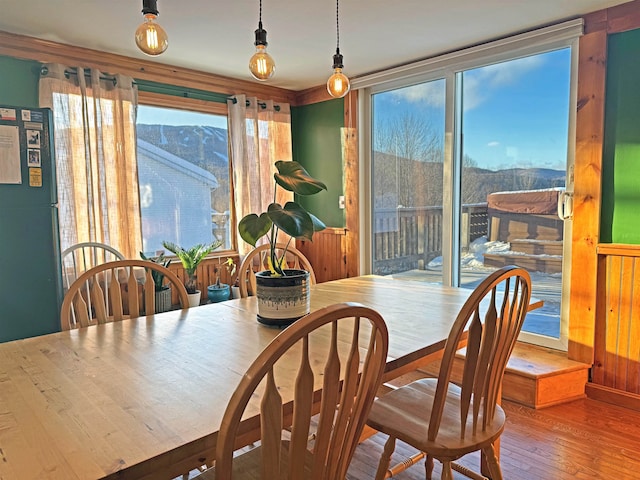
<point>611,395</point>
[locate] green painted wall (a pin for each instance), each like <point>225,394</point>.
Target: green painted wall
<point>620,217</point>
<point>317,145</point>
<point>19,82</point>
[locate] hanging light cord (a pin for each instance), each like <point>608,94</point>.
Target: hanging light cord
<point>260,16</point>
<point>337,25</point>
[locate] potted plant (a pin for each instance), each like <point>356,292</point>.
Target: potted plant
<point>190,259</point>
<point>163,292</point>
<point>219,291</point>
<point>283,294</point>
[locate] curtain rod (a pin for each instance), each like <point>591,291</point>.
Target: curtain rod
<point>260,104</point>
<point>74,71</point>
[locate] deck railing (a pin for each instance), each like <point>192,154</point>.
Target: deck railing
<point>406,238</point>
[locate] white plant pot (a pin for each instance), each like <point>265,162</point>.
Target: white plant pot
<point>194,299</point>
<point>235,292</point>
<point>282,300</point>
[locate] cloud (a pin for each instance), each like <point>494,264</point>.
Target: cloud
<point>493,144</point>
<point>480,83</point>
<point>429,93</point>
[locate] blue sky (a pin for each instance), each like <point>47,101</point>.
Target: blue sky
<point>515,113</point>
<point>167,116</point>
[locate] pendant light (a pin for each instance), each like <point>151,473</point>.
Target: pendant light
<point>151,37</point>
<point>338,84</point>
<point>261,65</point>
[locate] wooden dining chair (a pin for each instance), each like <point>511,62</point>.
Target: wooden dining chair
<point>80,257</point>
<point>257,260</point>
<point>331,363</point>
<point>444,420</point>
<point>97,295</point>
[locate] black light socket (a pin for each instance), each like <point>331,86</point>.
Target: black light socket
<point>337,59</point>
<point>261,36</point>
<point>150,6</point>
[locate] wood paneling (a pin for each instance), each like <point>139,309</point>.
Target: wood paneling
<point>20,46</point>
<point>343,251</point>
<point>617,330</point>
<point>588,170</point>
<point>206,273</point>
<point>326,254</point>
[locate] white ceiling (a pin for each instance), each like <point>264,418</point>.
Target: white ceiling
<point>217,36</point>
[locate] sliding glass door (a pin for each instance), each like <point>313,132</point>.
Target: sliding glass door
<point>407,171</point>
<point>468,165</point>
<point>514,145</point>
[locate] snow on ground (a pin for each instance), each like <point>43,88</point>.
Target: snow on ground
<point>546,286</point>
<point>474,257</point>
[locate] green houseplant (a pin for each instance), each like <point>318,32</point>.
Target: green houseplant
<point>292,219</point>
<point>283,294</point>
<point>219,291</point>
<point>163,292</point>
<point>190,259</point>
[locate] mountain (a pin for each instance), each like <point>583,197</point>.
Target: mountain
<point>413,183</point>
<point>204,146</point>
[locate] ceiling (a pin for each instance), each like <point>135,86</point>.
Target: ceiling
<point>217,35</point>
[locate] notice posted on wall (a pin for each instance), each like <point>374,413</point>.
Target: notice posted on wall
<point>10,170</point>
<point>35,177</point>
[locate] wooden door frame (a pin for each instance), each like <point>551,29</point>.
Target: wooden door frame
<point>592,70</point>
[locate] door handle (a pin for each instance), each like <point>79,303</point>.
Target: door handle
<point>565,205</point>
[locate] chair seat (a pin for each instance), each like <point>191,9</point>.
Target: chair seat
<point>247,466</point>
<point>404,413</point>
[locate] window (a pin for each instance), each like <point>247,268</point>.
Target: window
<point>183,174</point>
<point>469,154</point>
<point>407,159</point>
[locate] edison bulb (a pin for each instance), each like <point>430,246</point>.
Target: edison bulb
<point>338,84</point>
<point>261,65</point>
<point>151,37</point>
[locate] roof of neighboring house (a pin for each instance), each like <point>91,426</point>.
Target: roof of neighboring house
<point>179,164</point>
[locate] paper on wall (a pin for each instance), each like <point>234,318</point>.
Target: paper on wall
<point>10,170</point>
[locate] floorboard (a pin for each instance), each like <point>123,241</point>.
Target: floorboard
<point>583,439</point>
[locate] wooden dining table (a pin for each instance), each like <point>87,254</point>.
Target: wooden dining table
<point>143,398</point>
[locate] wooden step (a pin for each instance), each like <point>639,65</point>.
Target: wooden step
<point>534,263</point>
<point>537,247</point>
<point>536,377</point>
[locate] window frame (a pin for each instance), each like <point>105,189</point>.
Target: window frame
<point>152,99</point>
<point>449,67</point>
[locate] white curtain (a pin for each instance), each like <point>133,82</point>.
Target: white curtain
<point>94,119</point>
<point>260,134</point>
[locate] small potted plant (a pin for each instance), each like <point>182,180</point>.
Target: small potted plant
<point>219,291</point>
<point>190,259</point>
<point>295,221</point>
<point>163,292</point>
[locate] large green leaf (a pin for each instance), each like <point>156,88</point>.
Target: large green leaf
<point>293,177</point>
<point>292,219</point>
<point>317,223</point>
<point>191,257</point>
<point>252,227</point>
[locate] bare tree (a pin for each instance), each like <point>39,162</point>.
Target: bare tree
<point>404,147</point>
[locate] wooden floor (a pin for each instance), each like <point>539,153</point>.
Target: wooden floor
<point>584,439</point>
